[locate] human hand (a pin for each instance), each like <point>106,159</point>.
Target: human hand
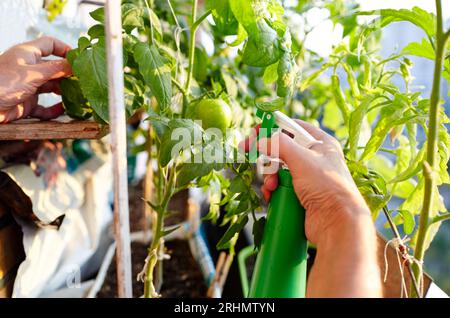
<point>321,181</point>
<point>25,75</point>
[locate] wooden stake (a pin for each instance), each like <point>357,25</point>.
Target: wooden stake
<point>113,26</point>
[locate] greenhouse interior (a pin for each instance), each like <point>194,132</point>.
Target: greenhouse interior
<point>224,149</point>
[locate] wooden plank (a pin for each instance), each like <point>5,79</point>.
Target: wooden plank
<point>117,119</point>
<point>60,128</point>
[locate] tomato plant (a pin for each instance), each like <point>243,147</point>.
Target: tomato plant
<point>256,62</point>
<point>167,72</point>
<point>369,108</point>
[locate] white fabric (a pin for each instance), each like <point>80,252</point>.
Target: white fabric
<point>54,257</point>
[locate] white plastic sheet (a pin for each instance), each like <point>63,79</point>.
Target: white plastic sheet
<point>55,257</point>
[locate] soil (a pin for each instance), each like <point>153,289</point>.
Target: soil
<point>182,277</point>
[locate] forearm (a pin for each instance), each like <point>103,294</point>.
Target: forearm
<point>346,261</point>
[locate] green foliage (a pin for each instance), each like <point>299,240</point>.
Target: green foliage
<point>90,68</point>
<point>75,104</point>
<point>156,73</point>
<point>258,230</point>
<point>424,49</point>
<point>377,122</point>
<point>232,232</point>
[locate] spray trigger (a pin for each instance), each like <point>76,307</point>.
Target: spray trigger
<point>276,119</point>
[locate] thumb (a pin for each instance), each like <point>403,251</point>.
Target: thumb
<point>284,147</point>
<point>52,70</point>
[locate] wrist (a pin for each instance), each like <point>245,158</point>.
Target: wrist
<point>352,222</point>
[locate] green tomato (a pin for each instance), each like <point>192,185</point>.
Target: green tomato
<point>213,113</point>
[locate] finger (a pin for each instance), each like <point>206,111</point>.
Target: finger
<point>248,142</point>
<point>284,147</point>
<point>50,46</point>
<point>271,182</point>
<point>14,113</point>
<point>29,105</point>
<point>266,194</point>
<point>50,87</point>
<point>47,113</point>
<point>52,70</point>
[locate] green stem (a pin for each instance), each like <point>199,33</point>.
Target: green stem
<point>191,55</point>
<point>179,86</point>
<point>394,229</point>
<point>432,142</point>
<point>149,288</point>
<point>174,16</point>
<point>151,38</point>
<point>194,27</point>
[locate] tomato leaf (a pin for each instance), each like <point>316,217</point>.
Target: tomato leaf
<point>262,48</point>
<point>173,143</point>
<point>223,17</point>
<point>424,49</point>
<point>274,105</point>
<point>258,231</point>
<point>98,15</point>
<point>189,172</point>
<point>156,72</point>
<point>356,121</point>
<point>417,16</point>
<point>408,221</point>
<point>75,104</point>
<point>234,229</point>
<point>90,68</point>
<point>387,121</point>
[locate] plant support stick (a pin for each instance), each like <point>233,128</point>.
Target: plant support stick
<point>113,26</point>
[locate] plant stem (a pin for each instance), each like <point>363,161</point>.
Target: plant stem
<point>148,183</point>
<point>403,250</point>
<point>432,142</point>
<point>174,16</point>
<point>191,47</point>
<point>148,5</point>
<point>149,288</point>
<point>179,86</point>
<point>194,27</point>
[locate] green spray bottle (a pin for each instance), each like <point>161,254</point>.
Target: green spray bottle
<point>280,269</point>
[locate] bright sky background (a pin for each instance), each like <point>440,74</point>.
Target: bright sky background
<point>428,5</point>
<point>325,35</point>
